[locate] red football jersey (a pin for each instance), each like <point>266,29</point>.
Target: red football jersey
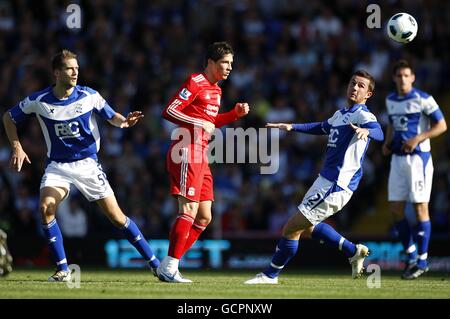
<point>196,101</point>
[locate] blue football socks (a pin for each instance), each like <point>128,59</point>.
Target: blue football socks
<point>423,232</point>
<point>327,234</point>
<point>55,242</point>
<point>285,250</point>
<point>406,238</point>
<point>135,237</point>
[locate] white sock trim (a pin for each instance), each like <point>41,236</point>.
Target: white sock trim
<point>275,266</point>
<point>423,256</point>
<point>63,261</point>
<point>411,249</point>
<point>341,242</point>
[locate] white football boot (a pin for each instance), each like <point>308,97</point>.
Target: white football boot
<point>261,279</point>
<point>165,276</point>
<point>357,261</point>
<point>60,276</point>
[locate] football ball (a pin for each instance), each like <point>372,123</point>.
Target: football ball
<point>402,27</point>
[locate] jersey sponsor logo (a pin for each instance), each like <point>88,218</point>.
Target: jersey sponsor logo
<point>212,110</point>
<point>400,122</point>
<point>333,137</point>
<point>67,130</point>
<point>185,94</point>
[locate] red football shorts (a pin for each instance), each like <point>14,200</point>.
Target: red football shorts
<point>189,173</point>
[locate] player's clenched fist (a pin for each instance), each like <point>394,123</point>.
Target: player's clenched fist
<point>242,109</point>
<point>281,126</point>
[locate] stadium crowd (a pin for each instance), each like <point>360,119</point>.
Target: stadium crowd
<point>292,62</point>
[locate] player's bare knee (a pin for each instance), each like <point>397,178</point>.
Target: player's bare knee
<point>188,209</point>
<point>422,211</point>
<point>118,220</point>
<point>47,209</point>
<point>308,231</point>
<point>203,221</point>
<point>292,234</point>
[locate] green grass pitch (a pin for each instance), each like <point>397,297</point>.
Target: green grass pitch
<point>208,284</point>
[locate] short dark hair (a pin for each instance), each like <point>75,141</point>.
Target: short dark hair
<point>218,50</point>
<point>366,75</point>
<point>58,58</point>
<point>402,64</point>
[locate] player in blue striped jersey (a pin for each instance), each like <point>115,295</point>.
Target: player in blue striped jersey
<point>349,132</point>
<point>414,118</point>
<point>67,113</point>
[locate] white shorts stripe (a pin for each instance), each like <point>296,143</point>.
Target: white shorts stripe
<point>184,170</point>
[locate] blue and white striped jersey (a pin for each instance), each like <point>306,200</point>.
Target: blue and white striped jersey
<point>345,152</point>
<point>69,125</point>
<point>410,115</point>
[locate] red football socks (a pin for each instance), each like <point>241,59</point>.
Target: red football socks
<point>179,235</point>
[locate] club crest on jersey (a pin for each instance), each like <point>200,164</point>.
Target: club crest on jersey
<point>79,108</point>
<point>185,94</point>
<point>191,191</point>
<point>409,107</point>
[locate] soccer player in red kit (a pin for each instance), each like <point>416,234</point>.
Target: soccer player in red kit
<point>195,109</point>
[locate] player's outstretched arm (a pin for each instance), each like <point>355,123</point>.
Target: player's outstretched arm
<point>315,128</point>
<point>18,155</point>
<point>123,122</point>
<point>281,126</point>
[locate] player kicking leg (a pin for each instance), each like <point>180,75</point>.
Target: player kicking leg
<point>355,253</point>
<point>338,178</point>
<point>322,200</point>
